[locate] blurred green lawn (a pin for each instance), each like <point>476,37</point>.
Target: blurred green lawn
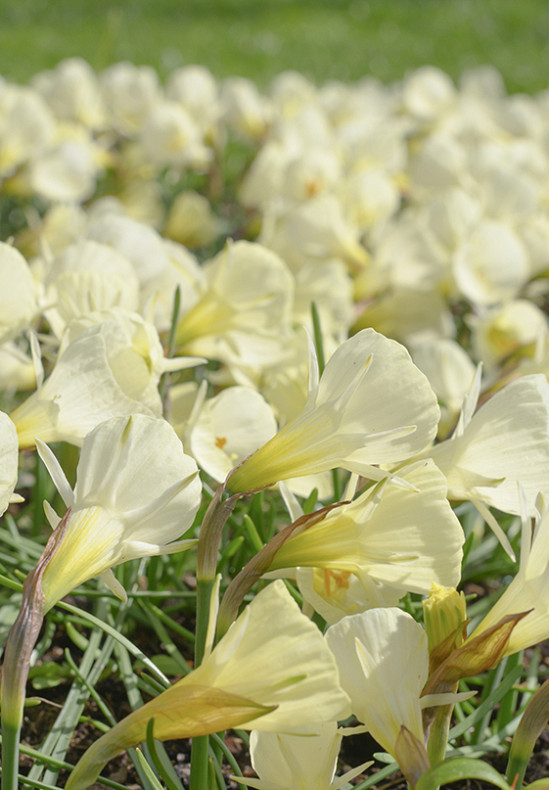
<point>324,39</point>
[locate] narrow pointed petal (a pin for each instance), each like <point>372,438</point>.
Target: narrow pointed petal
<point>114,585</point>
<point>56,473</point>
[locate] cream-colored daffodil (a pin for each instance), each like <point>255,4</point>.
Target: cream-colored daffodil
<point>109,364</point>
<point>18,296</point>
<point>191,221</point>
<point>136,492</point>
<point>196,89</point>
<point>71,91</point>
<point>87,277</point>
<point>245,110</point>
<point>27,126</point>
<point>394,539</point>
<point>504,443</point>
<point>450,371</point>
<point>491,265</point>
<point>370,406</point>
<point>527,592</point>
<point>297,762</point>
<point>230,426</point>
<point>244,312</point>
<point>170,137</point>
<point>68,170</point>
<point>137,241</point>
<point>9,460</point>
<point>17,370</point>
<point>383,664</point>
<point>315,231</point>
<point>271,671</point>
<point>506,329</point>
<point>129,94</point>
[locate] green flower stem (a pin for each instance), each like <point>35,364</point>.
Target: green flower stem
<point>21,640</point>
<point>533,722</point>
<point>200,745</point>
<point>438,736</point>
<point>215,519</point>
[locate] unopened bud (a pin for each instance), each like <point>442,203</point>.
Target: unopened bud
<point>445,618</point>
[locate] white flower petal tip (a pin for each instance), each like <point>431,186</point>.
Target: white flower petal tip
<point>56,472</point>
<point>114,585</point>
<point>136,492</point>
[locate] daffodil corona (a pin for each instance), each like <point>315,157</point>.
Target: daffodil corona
<point>136,492</point>
<point>394,539</point>
<point>273,668</point>
<point>371,405</point>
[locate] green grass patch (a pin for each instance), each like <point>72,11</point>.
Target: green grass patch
<point>324,39</point>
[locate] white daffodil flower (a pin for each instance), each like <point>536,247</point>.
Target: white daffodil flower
<point>450,371</point>
<point>244,311</point>
<point>18,299</point>
<point>491,265</point>
<point>504,443</point>
<point>296,762</point>
<point>87,277</point>
<point>271,671</point>
<point>372,405</point>
<point>9,460</point>
<point>109,364</point>
<point>136,492</point>
<point>392,539</point>
<point>230,426</point>
<point>383,664</point>
<point>528,591</point>
<point>403,537</point>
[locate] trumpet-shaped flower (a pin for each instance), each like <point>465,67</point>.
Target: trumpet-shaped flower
<point>315,231</point>
<point>138,242</point>
<point>371,406</point>
<point>450,370</point>
<point>383,665</point>
<point>230,427</point>
<point>528,592</point>
<point>26,126</point>
<point>244,311</point>
<point>136,492</point>
<point>390,537</point>
<point>129,93</point>
<point>171,137</point>
<point>71,90</point>
<point>85,277</point>
<point>296,762</point>
<point>505,442</point>
<point>18,305</point>
<point>271,671</point>
<point>9,458</point>
<point>507,329</point>
<point>109,364</point>
<point>491,265</point>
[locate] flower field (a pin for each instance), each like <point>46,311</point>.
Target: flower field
<point>274,431</point>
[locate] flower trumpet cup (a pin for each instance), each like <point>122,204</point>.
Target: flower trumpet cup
<point>272,671</point>
<point>109,364</point>
<point>372,405</point>
<point>136,492</point>
<point>399,538</point>
<point>292,762</point>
